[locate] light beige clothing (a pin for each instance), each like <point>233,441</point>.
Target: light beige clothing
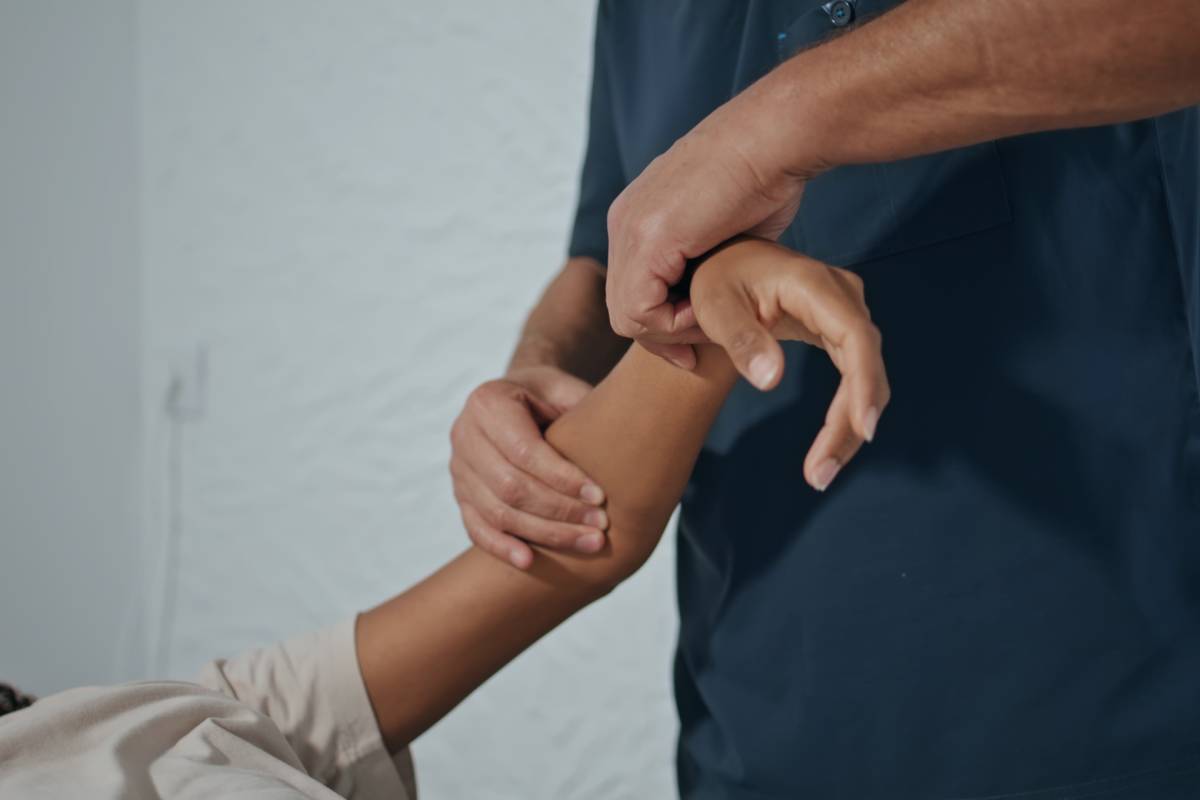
<point>287,721</point>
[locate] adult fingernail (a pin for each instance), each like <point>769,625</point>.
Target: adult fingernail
<point>589,543</point>
<point>518,559</point>
<point>762,371</point>
<point>824,474</point>
<point>870,420</point>
<point>591,493</point>
<point>596,518</point>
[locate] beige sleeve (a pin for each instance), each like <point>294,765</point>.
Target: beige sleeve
<point>311,688</point>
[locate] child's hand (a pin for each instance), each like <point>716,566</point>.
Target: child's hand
<point>751,292</point>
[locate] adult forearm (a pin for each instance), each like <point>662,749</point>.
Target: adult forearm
<point>568,328</point>
<point>936,74</point>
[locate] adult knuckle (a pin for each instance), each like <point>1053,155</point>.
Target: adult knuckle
<point>553,538</point>
<point>457,435</point>
<point>621,325</point>
<point>566,511</point>
<point>616,213</point>
<point>511,489</point>
<point>502,517</point>
<point>648,228</point>
<point>492,544</point>
<point>522,452</point>
<point>743,340</point>
<point>478,400</point>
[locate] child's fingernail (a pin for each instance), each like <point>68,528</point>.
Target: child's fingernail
<point>762,371</point>
<point>870,420</point>
<point>824,474</point>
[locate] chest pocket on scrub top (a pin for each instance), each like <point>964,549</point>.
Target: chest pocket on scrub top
<point>858,213</point>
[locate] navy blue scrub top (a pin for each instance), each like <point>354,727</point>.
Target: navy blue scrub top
<point>1000,597</point>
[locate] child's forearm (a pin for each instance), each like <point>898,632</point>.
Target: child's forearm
<point>638,433</point>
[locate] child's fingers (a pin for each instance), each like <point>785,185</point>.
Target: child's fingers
<point>731,321</point>
<point>836,443</point>
<point>833,309</point>
<point>858,355</point>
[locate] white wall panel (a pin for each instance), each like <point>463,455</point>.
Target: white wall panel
<point>349,207</point>
<point>70,320</point>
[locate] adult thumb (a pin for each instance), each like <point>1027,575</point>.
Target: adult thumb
<point>560,390</point>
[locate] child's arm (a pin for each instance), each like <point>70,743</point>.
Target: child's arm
<point>751,292</point>
<point>638,433</point>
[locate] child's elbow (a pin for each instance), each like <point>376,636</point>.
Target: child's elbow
<point>628,548</point>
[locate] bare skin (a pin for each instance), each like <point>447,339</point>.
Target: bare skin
<point>638,432</point>
<point>512,487</point>
<point>516,493</point>
<point>928,76</point>
<point>763,298</point>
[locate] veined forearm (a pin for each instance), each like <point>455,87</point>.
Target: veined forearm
<point>936,74</point>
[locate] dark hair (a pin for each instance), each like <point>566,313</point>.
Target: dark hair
<point>11,700</point>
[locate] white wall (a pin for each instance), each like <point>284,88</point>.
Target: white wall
<point>349,207</point>
<point>70,566</point>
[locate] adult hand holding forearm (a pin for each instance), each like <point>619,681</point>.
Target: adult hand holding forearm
<point>928,76</point>
<point>513,488</point>
<point>508,480</point>
<point>639,433</point>
<point>706,189</point>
